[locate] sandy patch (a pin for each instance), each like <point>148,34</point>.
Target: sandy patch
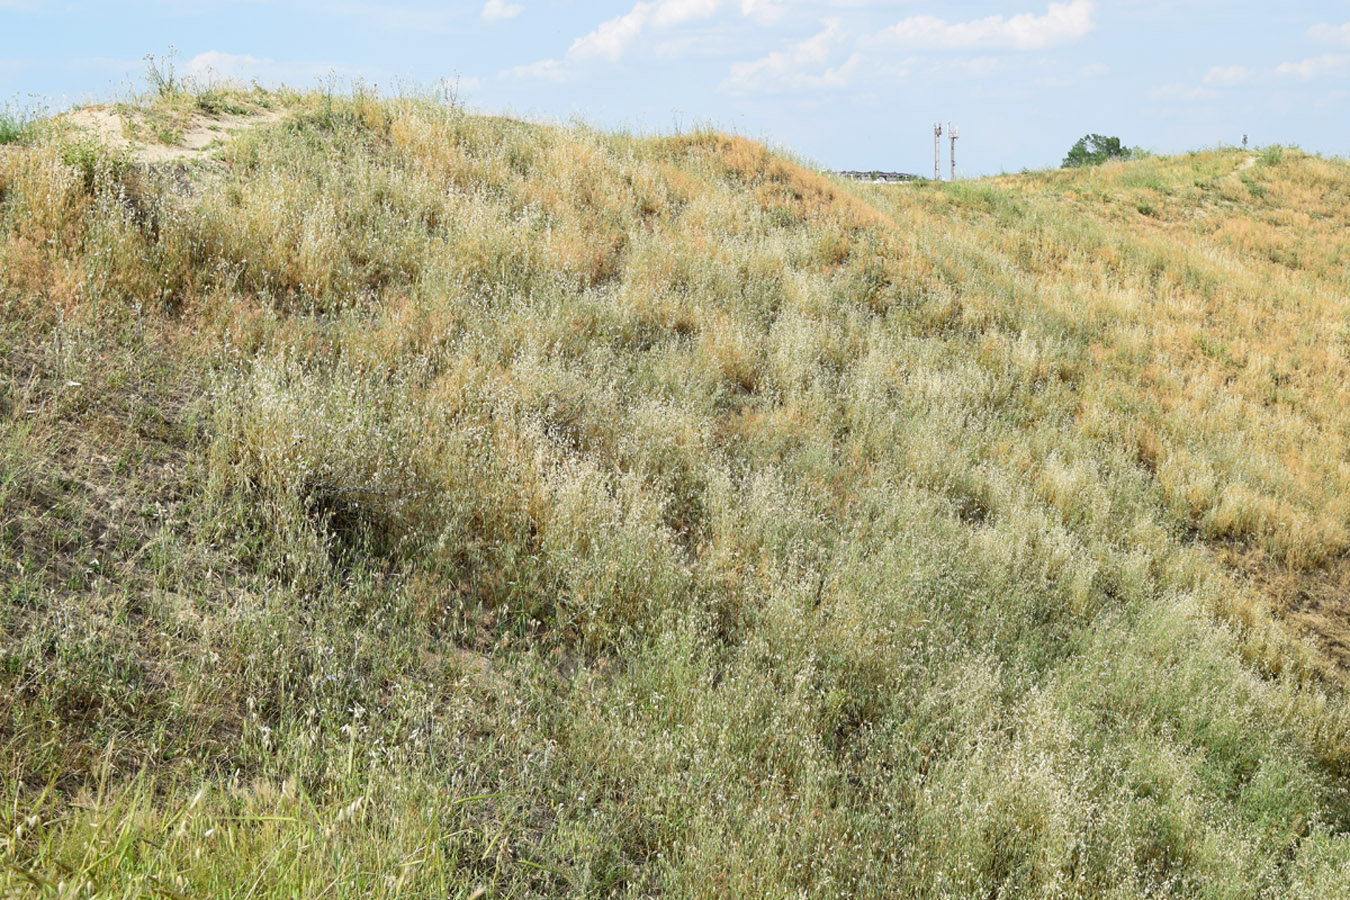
<point>200,134</point>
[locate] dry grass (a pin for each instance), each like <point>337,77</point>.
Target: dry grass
<point>404,502</point>
<point>1215,325</point>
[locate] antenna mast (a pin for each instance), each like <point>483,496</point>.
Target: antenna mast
<point>937,151</point>
<point>953,134</point>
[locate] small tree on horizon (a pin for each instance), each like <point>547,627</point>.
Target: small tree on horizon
<point>1095,149</point>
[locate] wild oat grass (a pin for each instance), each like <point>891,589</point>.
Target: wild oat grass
<point>427,504</point>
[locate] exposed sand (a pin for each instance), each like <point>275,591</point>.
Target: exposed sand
<point>200,134</point>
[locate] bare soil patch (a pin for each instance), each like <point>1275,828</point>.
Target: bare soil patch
<point>1315,600</point>
<point>193,136</point>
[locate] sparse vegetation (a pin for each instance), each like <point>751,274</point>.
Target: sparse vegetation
<point>427,504</point>
<point>162,76</point>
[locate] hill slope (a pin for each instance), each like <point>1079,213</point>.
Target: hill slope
<point>408,503</point>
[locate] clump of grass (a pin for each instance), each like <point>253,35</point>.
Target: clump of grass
<point>17,125</point>
<point>218,101</point>
<point>162,77</point>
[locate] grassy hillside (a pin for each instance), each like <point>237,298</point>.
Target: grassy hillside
<point>402,502</point>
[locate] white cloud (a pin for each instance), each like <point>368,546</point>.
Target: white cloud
<point>801,65</point>
<point>495,10</point>
<point>215,65</point>
<point>609,40</point>
<point>1326,64</point>
<point>1218,77</point>
<point>797,64</point>
<point>766,11</point>
<point>677,12</point>
<point>1093,70</point>
<point>1061,24</point>
<point>1228,76</point>
<point>1330,34</point>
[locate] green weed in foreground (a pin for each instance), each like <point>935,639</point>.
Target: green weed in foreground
<point>15,125</point>
<point>434,505</point>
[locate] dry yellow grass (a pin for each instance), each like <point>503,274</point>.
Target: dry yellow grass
<point>1211,294</point>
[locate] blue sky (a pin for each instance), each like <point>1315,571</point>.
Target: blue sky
<point>845,83</point>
